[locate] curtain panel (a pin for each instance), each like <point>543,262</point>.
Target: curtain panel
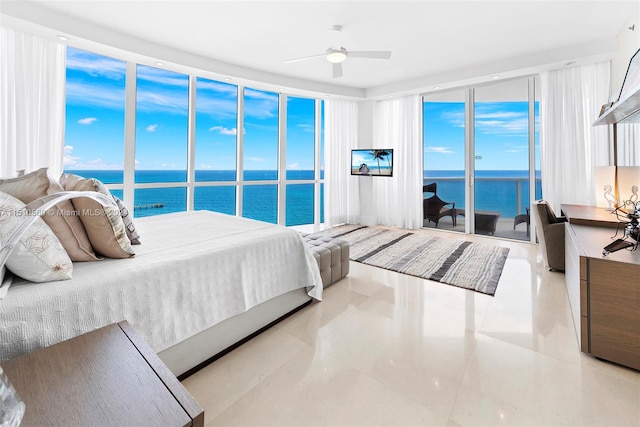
<point>628,144</point>
<point>398,125</point>
<point>570,101</point>
<point>32,95</point>
<point>342,195</point>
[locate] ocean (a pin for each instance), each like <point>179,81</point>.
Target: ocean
<point>259,202</point>
<point>495,190</point>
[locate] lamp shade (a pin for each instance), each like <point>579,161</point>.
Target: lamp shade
<point>629,183</point>
<point>604,183</point>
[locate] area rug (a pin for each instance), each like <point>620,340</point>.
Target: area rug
<point>474,266</point>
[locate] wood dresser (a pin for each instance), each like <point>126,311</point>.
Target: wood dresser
<point>604,291</point>
<point>105,377</point>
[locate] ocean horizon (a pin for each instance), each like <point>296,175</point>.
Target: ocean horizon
<point>495,190</point>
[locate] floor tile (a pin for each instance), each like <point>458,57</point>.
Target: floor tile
<point>385,348</point>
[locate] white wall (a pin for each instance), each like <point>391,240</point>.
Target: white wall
<point>628,43</point>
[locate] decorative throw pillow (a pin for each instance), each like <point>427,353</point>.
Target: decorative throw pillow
<point>38,256</point>
<point>132,233</point>
<point>62,218</point>
<point>104,225</point>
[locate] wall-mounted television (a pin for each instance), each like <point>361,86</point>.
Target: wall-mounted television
<point>372,162</point>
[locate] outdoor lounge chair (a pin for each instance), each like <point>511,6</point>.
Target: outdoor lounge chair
<point>434,207</point>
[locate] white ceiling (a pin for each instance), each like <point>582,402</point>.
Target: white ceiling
<point>433,41</point>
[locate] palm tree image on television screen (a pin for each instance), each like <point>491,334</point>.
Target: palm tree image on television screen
<point>372,162</point>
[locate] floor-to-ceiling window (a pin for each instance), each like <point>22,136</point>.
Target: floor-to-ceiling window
<point>216,146</point>
<point>237,137</point>
<point>481,152</point>
<point>444,161</point>
<point>300,160</point>
<point>94,129</point>
<point>162,100</point>
<point>260,160</point>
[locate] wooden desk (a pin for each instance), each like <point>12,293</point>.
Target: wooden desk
<point>604,294</point>
<point>105,377</point>
<point>589,215</point>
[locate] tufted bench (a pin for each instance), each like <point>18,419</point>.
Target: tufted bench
<point>331,254</point>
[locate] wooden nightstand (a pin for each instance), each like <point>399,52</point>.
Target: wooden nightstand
<point>105,377</point>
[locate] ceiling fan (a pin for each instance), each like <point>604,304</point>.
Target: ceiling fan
<point>338,56</point>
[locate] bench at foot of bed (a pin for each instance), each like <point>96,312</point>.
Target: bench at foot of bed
<point>332,255</point>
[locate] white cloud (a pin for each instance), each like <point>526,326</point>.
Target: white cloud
<point>503,127</point>
<point>489,121</point>
<point>87,121</point>
<point>224,131</point>
<point>255,159</point>
<point>219,108</point>
<point>95,65</point>
<point>163,77</point>
<point>306,127</point>
<point>260,105</point>
<point>98,96</point>
<point>219,88</point>
<point>294,165</point>
<point>441,150</point>
<point>164,99</point>
<point>152,128</point>
<point>499,115</point>
<point>76,163</point>
<point>68,159</point>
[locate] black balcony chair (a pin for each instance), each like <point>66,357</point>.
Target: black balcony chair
<point>430,188</point>
<point>523,218</point>
<point>434,207</point>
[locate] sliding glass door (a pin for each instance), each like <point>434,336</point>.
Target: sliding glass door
<point>444,159</point>
<point>480,152</point>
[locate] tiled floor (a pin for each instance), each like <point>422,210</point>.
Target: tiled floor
<point>389,349</point>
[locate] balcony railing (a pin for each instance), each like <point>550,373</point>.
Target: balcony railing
<point>507,195</point>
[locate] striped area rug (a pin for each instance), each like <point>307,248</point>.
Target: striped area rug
<point>475,266</point>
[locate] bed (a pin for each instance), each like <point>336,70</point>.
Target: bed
<point>199,282</point>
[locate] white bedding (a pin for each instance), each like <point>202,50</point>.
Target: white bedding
<point>193,270</point>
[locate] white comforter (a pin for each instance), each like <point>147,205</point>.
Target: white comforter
<point>193,270</point>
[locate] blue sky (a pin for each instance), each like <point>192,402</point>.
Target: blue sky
<point>95,120</point>
<point>501,132</point>
<point>95,124</point>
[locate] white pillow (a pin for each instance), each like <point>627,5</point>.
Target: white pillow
<point>103,224</point>
<point>39,255</point>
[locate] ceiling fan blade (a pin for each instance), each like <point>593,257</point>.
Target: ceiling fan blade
<point>337,70</point>
<point>374,54</point>
<point>304,58</point>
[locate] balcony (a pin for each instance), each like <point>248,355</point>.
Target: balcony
<point>506,195</point>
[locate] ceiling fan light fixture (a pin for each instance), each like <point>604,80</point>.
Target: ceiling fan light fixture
<point>336,56</point>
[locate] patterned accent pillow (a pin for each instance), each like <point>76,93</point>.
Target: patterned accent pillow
<point>104,225</point>
<point>39,255</point>
<point>132,233</point>
<point>62,218</point>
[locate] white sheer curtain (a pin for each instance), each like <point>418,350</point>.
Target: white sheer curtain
<point>570,101</point>
<point>32,95</point>
<point>398,125</point>
<point>628,144</point>
<point>341,195</point>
